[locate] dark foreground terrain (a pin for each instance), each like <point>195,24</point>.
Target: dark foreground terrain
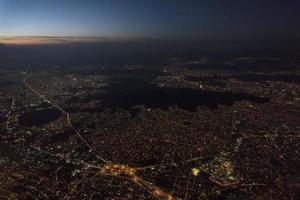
<point>171,132</point>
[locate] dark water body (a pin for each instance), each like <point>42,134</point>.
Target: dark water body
<point>259,66</point>
<point>265,77</point>
<point>4,83</point>
<point>128,92</point>
<point>7,151</point>
<point>2,118</point>
<point>147,73</point>
<point>218,81</point>
<point>39,117</point>
<point>207,80</point>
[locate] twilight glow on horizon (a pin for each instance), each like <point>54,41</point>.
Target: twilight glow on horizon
<point>171,19</point>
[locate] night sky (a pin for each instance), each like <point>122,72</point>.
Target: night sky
<point>199,19</point>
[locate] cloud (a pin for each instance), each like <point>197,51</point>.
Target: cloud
<point>37,40</point>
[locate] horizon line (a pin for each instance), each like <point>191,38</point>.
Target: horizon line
<point>40,40</point>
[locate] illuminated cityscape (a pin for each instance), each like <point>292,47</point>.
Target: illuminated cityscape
<point>149,100</point>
